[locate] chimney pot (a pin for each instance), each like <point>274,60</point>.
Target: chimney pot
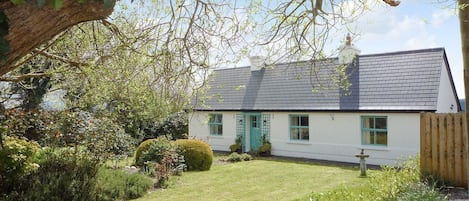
<point>257,63</point>
<point>347,52</point>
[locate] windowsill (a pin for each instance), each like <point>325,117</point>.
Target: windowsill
<point>216,137</point>
<point>299,142</point>
<point>374,148</point>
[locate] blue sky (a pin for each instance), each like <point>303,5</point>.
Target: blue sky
<point>410,26</point>
<point>413,25</point>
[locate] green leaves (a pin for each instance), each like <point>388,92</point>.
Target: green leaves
<point>16,2</point>
<point>57,3</point>
<point>107,3</point>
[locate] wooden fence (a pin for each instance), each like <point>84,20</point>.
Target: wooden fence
<point>444,147</point>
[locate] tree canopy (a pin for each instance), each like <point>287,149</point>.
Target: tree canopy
<point>302,25</point>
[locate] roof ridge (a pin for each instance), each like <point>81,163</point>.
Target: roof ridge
<point>437,49</point>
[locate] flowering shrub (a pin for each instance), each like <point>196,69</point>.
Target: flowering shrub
<point>16,161</point>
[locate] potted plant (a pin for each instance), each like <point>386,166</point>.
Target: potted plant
<point>264,149</point>
<point>237,146</point>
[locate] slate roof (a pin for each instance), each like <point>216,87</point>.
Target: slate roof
<point>397,81</point>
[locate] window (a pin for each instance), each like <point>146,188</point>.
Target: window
<point>215,124</point>
<point>299,127</point>
<point>374,130</point>
<point>254,122</point>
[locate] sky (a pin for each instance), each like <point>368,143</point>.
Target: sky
<point>413,25</point>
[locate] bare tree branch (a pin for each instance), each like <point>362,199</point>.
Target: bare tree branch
<point>59,58</point>
<point>23,77</point>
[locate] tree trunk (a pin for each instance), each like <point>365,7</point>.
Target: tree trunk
<point>30,26</point>
<point>464,27</point>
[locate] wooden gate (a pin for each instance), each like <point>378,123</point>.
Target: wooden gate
<point>444,147</point>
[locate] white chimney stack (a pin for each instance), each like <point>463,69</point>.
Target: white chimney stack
<point>257,63</point>
<point>347,52</point>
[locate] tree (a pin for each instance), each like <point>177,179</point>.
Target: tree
<point>30,26</point>
<point>136,72</point>
<point>31,91</point>
<point>163,48</point>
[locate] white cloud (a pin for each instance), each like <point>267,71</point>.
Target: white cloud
<point>383,30</point>
<point>440,16</point>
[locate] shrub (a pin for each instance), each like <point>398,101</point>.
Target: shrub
<point>235,147</point>
<point>106,138</point>
<point>154,150</point>
<point>140,149</point>
<point>197,154</point>
<point>392,183</point>
<point>265,147</point>
<point>34,125</point>
<point>176,125</point>
<point>246,157</point>
<point>120,185</point>
<point>420,191</point>
<point>63,174</point>
<point>16,161</point>
<point>161,171</point>
<point>235,157</point>
<point>102,135</point>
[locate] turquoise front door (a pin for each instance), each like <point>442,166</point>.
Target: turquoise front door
<point>255,132</point>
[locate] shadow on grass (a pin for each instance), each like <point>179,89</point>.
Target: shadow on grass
<point>307,161</point>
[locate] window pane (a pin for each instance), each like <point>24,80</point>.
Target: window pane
<point>213,130</point>
<point>215,123</point>
<point>294,135</point>
<point>304,133</point>
<point>211,118</point>
<point>304,121</point>
<point>374,130</point>
<point>219,118</point>
<point>381,138</point>
<point>254,121</point>
<point>294,120</point>
<point>368,137</point>
<point>381,123</point>
<point>368,122</point>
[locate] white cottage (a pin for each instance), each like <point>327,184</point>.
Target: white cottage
<point>298,108</point>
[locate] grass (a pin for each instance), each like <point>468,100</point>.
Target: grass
<point>258,180</point>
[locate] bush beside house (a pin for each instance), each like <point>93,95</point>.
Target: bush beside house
<point>197,154</point>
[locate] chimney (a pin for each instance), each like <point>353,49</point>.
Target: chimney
<point>257,63</point>
<point>347,52</point>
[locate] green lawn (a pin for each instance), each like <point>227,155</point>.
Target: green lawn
<point>258,180</point>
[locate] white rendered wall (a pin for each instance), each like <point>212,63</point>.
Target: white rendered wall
<point>446,97</point>
<point>337,137</point>
<point>332,136</point>
<point>198,128</point>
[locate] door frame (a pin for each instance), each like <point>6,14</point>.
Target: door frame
<point>256,132</point>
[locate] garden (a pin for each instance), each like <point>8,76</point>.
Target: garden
<point>272,178</point>
<point>97,113</point>
<point>74,156</point>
